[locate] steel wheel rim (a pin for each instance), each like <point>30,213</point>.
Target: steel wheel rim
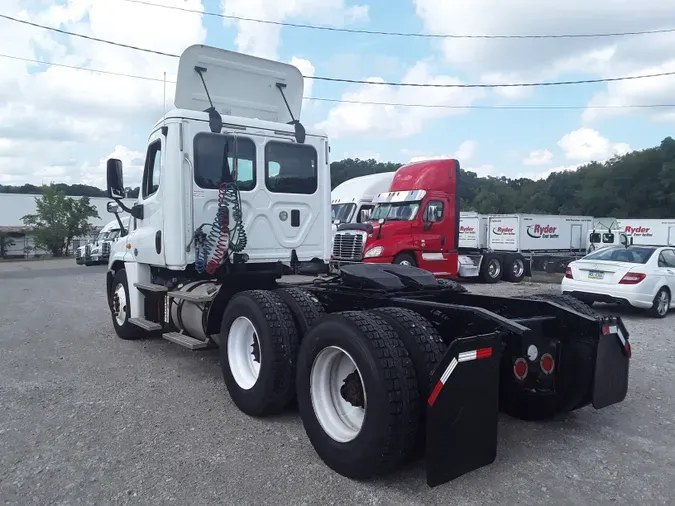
<point>334,373</point>
<point>518,267</point>
<point>405,262</point>
<point>663,303</point>
<point>120,304</point>
<point>494,268</point>
<point>243,352</point>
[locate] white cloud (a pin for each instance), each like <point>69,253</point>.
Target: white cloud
<point>518,60</point>
<point>539,157</point>
<point>60,117</point>
<point>587,145</point>
<point>307,70</point>
<point>262,39</point>
<point>390,121</point>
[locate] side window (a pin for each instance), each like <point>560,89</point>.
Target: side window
<point>608,238</point>
<point>364,213</point>
<point>595,237</point>
<point>152,170</point>
<point>210,169</point>
<point>668,255</point>
<point>291,168</point>
<point>434,211</point>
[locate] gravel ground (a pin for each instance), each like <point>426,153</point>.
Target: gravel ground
<point>90,419</point>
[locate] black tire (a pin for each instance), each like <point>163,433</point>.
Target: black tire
<point>405,257</point>
<point>452,285</point>
<point>277,338</point>
<point>655,311</point>
<point>388,378</point>
<point>514,268</point>
<point>489,260</point>
<point>306,308</point>
<point>125,330</point>
<point>569,301</point>
<point>426,349</point>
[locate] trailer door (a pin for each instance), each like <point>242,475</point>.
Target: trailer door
<point>575,238</point>
<point>671,236</point>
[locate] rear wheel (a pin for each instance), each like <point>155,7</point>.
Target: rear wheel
<point>258,349</point>
<point>491,268</point>
<point>306,308</point>
<point>569,301</point>
<point>357,394</point>
<point>514,268</point>
<point>426,349</point>
<point>661,304</point>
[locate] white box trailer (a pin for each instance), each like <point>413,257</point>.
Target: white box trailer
<point>654,232</point>
<point>472,231</point>
<point>510,246</point>
<point>532,233</point>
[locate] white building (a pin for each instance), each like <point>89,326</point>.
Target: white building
<point>14,206</point>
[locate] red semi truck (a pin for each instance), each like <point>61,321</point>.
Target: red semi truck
<point>416,223</point>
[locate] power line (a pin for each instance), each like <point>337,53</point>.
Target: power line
<point>401,34</point>
<point>358,81</point>
<point>363,102</point>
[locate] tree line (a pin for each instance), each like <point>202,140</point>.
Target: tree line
<point>639,184</point>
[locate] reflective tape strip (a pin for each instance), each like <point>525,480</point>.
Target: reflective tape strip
<point>465,356</point>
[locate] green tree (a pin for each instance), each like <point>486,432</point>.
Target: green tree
<point>58,219</point>
<point>6,242</point>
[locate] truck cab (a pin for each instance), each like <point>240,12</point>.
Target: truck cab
<point>98,250</point>
<point>415,223</point>
<point>352,200</point>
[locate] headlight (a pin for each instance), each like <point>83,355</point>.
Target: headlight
<point>374,252</point>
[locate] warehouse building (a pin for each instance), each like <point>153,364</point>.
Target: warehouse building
<point>14,206</point>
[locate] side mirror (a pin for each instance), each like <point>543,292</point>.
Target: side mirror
<point>115,179</point>
<point>381,221</point>
<point>336,222</point>
<point>365,215</point>
<point>113,208</point>
<point>623,239</point>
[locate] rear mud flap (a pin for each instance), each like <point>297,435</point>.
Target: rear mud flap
<point>610,384</point>
<point>463,408</point>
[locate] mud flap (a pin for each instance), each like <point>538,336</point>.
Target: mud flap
<point>463,408</point>
<point>610,384</point>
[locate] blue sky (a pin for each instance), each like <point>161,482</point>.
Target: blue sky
<point>115,114</point>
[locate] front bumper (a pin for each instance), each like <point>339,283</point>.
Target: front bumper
<point>611,294</point>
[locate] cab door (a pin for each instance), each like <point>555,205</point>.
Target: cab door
<point>147,244</point>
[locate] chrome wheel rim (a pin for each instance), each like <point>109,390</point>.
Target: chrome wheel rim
<point>120,304</point>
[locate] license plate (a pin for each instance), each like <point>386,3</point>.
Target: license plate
<point>596,275</point>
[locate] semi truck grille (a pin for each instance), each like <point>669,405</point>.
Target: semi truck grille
<point>78,253</point>
<point>348,246</point>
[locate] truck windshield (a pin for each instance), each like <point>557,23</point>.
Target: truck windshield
<point>102,236</point>
<point>342,212</point>
<point>114,235</point>
<point>403,211</point>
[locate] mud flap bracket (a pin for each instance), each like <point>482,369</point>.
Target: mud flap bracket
<point>462,409</point>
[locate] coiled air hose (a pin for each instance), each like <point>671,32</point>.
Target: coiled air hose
<point>221,238</point>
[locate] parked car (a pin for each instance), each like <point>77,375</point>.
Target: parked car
<point>636,275</point>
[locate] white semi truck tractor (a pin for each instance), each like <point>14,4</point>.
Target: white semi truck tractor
<point>385,362</point>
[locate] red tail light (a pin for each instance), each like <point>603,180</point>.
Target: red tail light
<point>632,278</point>
<point>568,273</point>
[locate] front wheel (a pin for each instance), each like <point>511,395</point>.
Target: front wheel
<point>405,259</point>
<point>119,308</point>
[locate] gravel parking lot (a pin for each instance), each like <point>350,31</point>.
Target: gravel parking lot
<point>87,418</point>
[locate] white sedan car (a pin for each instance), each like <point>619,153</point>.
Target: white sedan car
<point>640,276</point>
